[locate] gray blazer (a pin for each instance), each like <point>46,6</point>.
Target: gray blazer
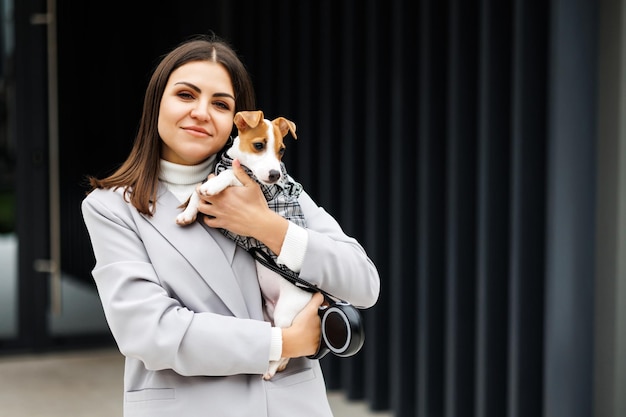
<point>184,307</point>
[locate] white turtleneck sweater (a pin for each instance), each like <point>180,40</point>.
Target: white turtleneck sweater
<point>182,180</point>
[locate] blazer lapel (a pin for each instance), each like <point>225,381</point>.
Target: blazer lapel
<point>217,273</point>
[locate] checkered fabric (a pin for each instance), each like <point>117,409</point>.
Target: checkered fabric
<point>281,197</point>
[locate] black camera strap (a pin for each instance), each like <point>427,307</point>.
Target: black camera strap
<point>266,260</point>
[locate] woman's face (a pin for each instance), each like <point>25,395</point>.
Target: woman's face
<point>196,112</point>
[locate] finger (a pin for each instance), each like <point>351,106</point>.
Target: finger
<point>210,220</point>
<point>241,175</point>
<point>317,300</point>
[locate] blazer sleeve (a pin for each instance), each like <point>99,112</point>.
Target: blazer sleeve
<point>335,261</point>
<point>147,322</point>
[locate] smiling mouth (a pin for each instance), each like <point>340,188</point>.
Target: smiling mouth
<point>196,131</point>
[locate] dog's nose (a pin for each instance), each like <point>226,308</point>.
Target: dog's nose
<point>274,175</point>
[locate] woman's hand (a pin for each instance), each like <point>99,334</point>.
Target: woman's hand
<point>244,211</point>
<point>302,338</point>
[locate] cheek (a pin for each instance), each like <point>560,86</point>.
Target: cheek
<point>162,117</point>
<point>169,114</point>
<point>225,123</point>
<point>163,126</point>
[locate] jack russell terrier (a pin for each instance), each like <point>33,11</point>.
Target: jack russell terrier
<point>259,147</point>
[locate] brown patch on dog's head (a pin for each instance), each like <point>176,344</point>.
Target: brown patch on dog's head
<point>244,120</point>
<point>281,127</point>
<point>284,126</point>
<point>253,132</point>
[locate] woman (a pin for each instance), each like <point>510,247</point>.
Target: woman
<point>183,303</point>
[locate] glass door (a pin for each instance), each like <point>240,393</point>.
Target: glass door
<point>48,300</point>
<point>8,236</point>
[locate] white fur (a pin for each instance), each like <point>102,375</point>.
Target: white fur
<point>283,301</point>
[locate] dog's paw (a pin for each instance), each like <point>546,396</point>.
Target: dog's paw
<point>275,366</point>
<point>210,188</point>
<point>190,212</point>
<point>271,371</point>
<point>216,185</point>
<point>282,365</point>
<point>185,218</point>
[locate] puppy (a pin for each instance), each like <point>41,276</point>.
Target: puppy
<point>259,147</point>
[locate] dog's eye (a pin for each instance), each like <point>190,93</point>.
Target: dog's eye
<point>259,146</point>
<point>281,151</point>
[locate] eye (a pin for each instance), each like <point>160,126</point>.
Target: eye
<point>281,152</point>
<point>222,105</point>
<point>185,95</point>
<point>259,146</point>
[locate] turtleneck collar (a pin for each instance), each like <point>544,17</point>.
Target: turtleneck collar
<point>177,174</point>
<point>181,180</point>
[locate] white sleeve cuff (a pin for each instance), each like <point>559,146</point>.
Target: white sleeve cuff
<point>294,247</point>
<point>276,346</point>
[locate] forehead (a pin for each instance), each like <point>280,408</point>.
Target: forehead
<point>205,75</point>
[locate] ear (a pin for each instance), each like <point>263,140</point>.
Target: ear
<point>285,126</point>
<point>245,119</point>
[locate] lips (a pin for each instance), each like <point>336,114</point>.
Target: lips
<point>195,130</point>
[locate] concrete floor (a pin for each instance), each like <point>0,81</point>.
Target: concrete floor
<point>88,384</point>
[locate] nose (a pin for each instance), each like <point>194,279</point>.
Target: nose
<point>201,113</point>
<point>274,175</point>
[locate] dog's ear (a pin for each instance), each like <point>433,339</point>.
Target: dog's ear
<point>285,126</point>
<point>245,119</point>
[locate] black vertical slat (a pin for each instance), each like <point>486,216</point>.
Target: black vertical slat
<point>322,146</point>
<point>284,99</point>
<point>526,299</point>
<point>403,191</point>
<point>570,226</point>
<point>461,241</point>
<point>351,158</point>
<point>323,86</point>
<point>348,145</point>
<point>264,65</point>
<point>375,239</point>
<point>347,152</point>
<point>302,165</point>
<point>432,133</point>
<point>341,373</point>
<point>224,22</point>
<point>249,51</point>
<point>307,90</point>
<point>609,318</point>
<point>493,208</point>
<point>32,219</point>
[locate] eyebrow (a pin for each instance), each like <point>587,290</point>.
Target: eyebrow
<point>196,89</point>
<point>223,95</point>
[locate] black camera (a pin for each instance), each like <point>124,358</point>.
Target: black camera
<point>342,330</point>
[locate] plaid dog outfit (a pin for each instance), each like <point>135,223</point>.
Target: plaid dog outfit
<point>282,197</point>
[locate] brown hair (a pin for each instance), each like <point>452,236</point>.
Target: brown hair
<point>139,174</point>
